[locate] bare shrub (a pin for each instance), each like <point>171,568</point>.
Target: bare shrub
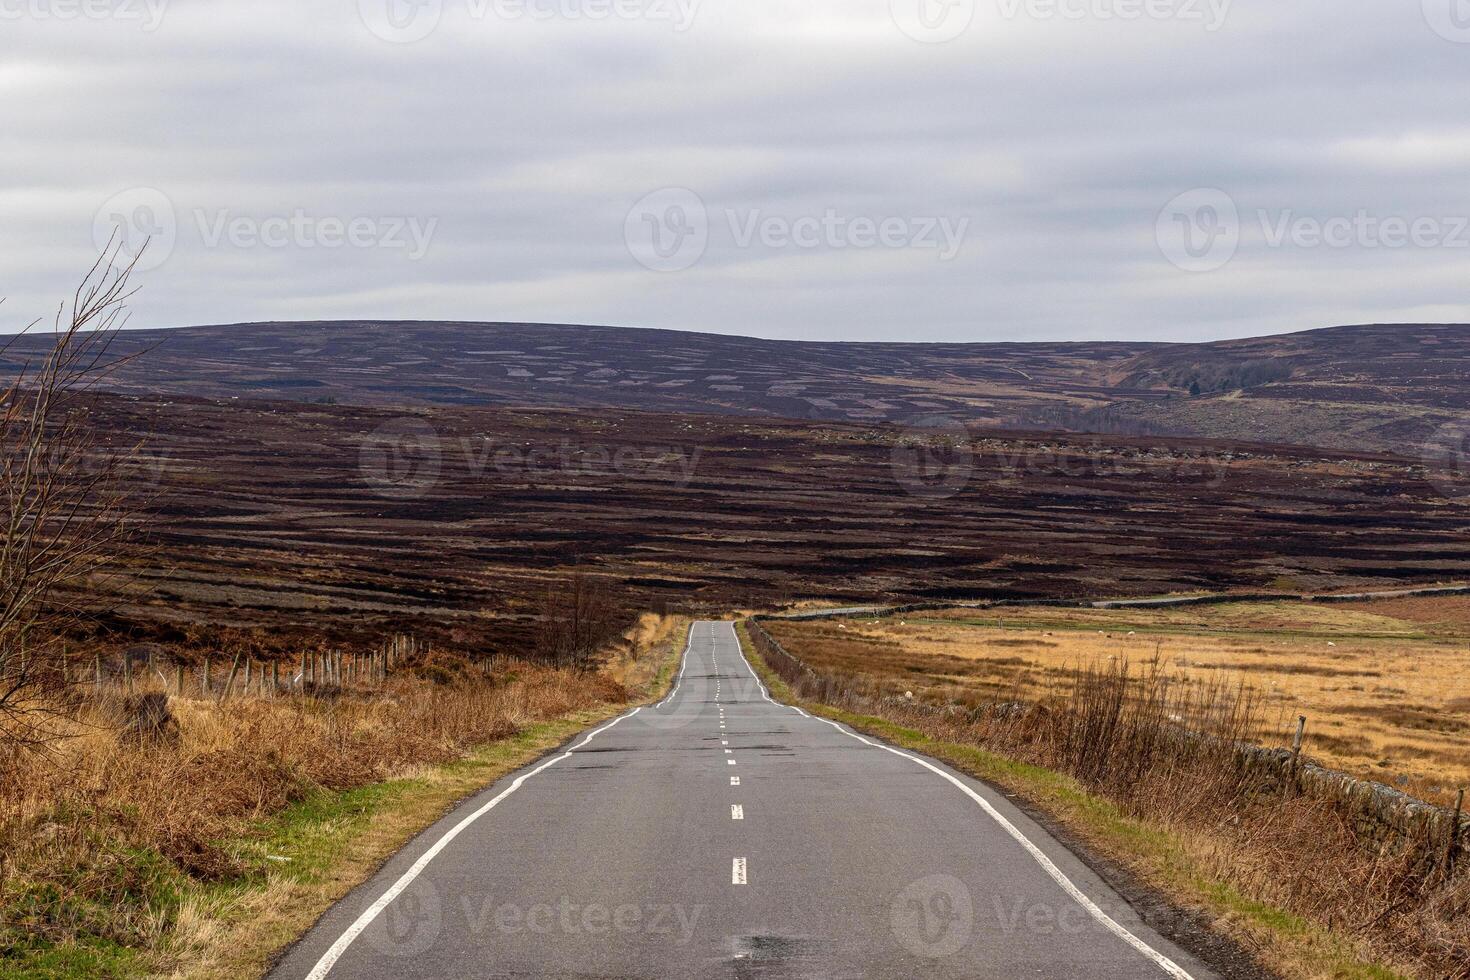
<point>61,505</point>
<point>578,618</point>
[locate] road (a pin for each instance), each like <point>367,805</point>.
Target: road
<point>721,834</point>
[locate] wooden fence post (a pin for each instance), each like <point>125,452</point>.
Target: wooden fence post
<point>230,681</point>
<point>1296,752</point>
<point>204,678</point>
<point>1453,844</point>
<point>97,666</point>
<point>128,673</point>
<point>179,679</point>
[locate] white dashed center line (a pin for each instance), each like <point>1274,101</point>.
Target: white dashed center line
<point>737,812</point>
<point>737,872</point>
<point>734,780</point>
<point>731,761</point>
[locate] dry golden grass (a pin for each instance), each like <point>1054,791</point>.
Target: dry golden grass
<point>130,848</point>
<point>1296,878</point>
<point>1387,696</point>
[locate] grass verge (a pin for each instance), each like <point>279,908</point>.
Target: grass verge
<point>1158,856</point>
<point>288,866</point>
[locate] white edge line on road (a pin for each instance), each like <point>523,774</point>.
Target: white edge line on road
<point>330,957</point>
<point>1167,965</point>
<point>683,663</point>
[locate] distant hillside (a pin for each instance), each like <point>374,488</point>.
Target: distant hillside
<point>1361,387</point>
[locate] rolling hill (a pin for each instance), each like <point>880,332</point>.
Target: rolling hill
<point>1377,387</point>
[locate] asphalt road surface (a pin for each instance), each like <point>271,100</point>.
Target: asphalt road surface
<point>721,834</point>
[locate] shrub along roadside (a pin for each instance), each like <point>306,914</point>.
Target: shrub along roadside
<point>205,858</point>
<point>1204,865</point>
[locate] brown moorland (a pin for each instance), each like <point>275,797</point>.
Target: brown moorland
<point>1387,697</point>
<point>352,523</point>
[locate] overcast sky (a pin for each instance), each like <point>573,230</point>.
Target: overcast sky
<point>811,169</point>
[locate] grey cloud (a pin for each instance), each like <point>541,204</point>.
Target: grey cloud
<point>528,143</point>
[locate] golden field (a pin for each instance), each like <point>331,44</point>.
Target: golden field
<point>1385,685</point>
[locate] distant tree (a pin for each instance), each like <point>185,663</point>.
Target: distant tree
<point>61,503</point>
<point>578,620</point>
